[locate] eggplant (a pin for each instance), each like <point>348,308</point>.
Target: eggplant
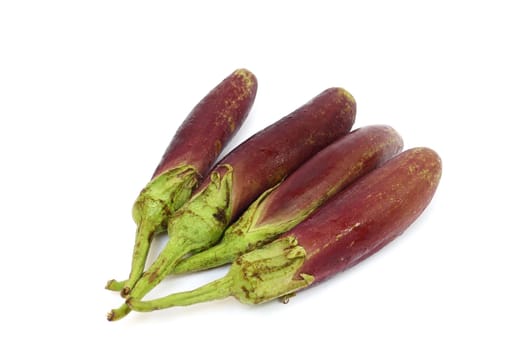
<point>188,158</point>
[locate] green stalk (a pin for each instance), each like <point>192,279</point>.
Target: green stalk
<point>115,285</point>
<point>215,290</point>
<point>218,255</point>
<point>194,227</point>
<point>151,210</point>
<point>256,277</point>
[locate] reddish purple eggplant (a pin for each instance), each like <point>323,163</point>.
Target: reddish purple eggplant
<point>354,225</point>
<point>284,206</point>
<point>256,165</point>
<point>191,153</point>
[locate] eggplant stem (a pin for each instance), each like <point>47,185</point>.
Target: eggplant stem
<point>117,314</point>
<point>115,285</point>
<point>217,255</point>
<point>214,290</point>
<point>144,235</point>
<point>173,252</point>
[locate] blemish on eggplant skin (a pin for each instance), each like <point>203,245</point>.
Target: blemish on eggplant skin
<point>220,216</point>
<point>256,274</point>
<point>246,291</point>
<point>218,146</point>
<point>153,276</point>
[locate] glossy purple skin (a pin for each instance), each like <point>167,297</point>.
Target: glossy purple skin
<point>330,170</point>
<point>267,157</point>
<point>371,213</point>
<point>211,124</point>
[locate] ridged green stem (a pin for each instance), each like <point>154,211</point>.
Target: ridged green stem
<point>115,286</point>
<point>172,253</point>
<point>218,255</point>
<point>144,236</point>
<point>145,231</point>
<point>218,289</point>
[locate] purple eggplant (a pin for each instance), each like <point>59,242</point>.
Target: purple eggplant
<point>188,158</point>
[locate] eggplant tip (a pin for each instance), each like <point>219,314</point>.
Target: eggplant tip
<point>109,284</point>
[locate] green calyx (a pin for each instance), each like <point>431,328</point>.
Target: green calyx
<point>197,225</point>
<point>243,236</point>
<point>151,210</point>
<point>256,277</point>
<point>269,272</point>
<point>165,193</point>
<point>236,240</point>
<point>251,231</point>
<point>201,221</point>
<point>249,218</point>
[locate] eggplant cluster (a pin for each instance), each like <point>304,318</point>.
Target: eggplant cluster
<point>297,202</point>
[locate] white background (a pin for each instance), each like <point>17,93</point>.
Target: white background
<point>91,92</point>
